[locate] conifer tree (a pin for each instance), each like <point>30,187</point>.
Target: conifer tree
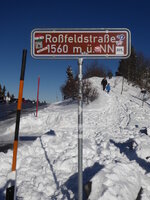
<point>141,70</point>
<point>69,90</point>
<point>69,73</point>
<point>8,94</point>
<point>136,69</point>
<point>0,91</point>
<point>127,67</point>
<point>12,97</point>
<point>3,92</point>
<point>1,97</point>
<point>110,74</point>
<point>94,70</point>
<point>132,70</point>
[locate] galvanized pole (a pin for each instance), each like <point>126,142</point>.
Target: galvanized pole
<point>37,96</point>
<point>80,132</point>
<point>122,84</point>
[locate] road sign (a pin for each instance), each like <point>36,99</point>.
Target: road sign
<point>80,43</point>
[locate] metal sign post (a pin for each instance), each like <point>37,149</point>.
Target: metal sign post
<point>80,132</point>
<point>122,84</point>
<point>37,97</point>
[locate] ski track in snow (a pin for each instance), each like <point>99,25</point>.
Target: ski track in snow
<point>47,167</point>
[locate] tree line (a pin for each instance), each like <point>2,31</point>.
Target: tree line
<point>4,96</point>
<point>136,69</point>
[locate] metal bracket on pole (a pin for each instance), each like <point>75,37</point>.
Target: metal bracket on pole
<point>80,132</point>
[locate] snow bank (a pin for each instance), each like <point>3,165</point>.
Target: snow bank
<point>119,181</point>
<point>48,156</point>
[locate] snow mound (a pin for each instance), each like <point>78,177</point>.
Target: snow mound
<point>115,148</point>
<point>119,181</point>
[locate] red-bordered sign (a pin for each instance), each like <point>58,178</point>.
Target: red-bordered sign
<point>76,43</point>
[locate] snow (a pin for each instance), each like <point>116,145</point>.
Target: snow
<point>116,144</point>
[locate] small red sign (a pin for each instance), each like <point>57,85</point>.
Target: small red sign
<point>114,43</point>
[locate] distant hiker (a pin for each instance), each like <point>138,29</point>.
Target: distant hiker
<point>108,88</point>
<point>104,83</point>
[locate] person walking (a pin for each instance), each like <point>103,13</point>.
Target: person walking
<point>104,83</point>
<point>108,88</point>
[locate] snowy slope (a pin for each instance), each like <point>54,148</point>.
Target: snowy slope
<point>116,149</point>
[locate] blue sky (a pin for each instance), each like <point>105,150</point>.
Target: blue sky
<point>18,18</point>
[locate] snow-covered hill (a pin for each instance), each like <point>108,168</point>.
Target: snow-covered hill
<point>116,149</point>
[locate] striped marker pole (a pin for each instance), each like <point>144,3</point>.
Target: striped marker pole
<point>11,190</point>
<point>80,132</point>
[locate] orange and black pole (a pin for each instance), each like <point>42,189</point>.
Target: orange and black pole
<point>11,191</point>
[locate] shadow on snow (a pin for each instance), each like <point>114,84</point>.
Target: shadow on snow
<point>28,138</point>
<point>72,183</point>
<point>88,174</point>
<point>32,138</point>
<point>130,152</point>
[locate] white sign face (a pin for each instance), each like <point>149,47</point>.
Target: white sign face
<point>76,43</point>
